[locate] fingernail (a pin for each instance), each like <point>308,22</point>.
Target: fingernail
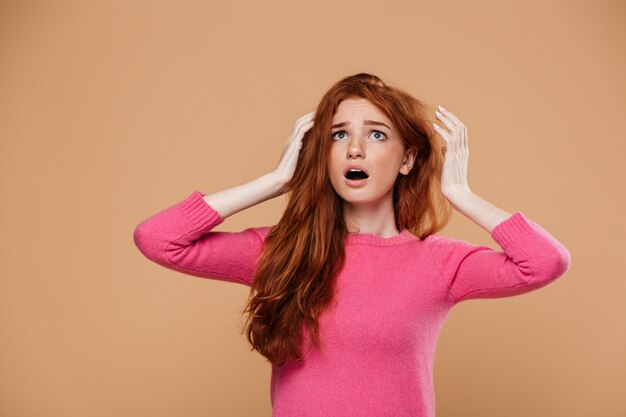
<point>441,108</point>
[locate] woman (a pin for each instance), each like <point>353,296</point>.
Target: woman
<point>350,289</point>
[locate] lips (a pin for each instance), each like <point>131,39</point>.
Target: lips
<point>359,167</point>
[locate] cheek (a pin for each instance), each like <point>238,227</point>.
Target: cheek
<point>333,160</point>
<point>386,173</point>
<point>331,168</point>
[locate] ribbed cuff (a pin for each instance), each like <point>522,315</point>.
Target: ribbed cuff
<point>199,212</point>
<point>511,229</point>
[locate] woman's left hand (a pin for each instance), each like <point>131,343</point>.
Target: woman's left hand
<point>454,175</point>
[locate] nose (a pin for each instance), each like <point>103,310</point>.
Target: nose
<point>355,147</point>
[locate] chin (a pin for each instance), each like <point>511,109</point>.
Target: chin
<point>358,196</point>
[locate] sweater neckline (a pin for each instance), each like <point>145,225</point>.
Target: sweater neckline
<point>369,238</point>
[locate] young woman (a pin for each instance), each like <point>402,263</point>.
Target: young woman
<point>350,289</point>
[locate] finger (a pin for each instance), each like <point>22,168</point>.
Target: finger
<point>307,116</point>
<point>447,122</point>
<point>443,133</point>
<point>298,132</point>
<point>456,141</point>
<point>464,139</point>
<point>301,128</point>
<point>301,121</point>
<point>300,136</point>
<point>450,115</point>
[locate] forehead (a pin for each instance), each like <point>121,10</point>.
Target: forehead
<point>358,107</point>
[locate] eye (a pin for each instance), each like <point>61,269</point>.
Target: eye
<point>336,133</point>
<point>373,131</point>
<point>382,133</point>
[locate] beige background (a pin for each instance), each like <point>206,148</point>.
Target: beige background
<point>113,110</point>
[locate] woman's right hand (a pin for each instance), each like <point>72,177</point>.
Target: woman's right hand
<point>288,160</point>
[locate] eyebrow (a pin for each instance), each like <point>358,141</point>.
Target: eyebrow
<point>367,122</point>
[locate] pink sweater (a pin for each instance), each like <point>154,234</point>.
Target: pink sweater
<point>393,297</point>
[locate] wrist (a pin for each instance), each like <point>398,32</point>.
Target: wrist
<point>456,190</point>
<point>276,181</point>
<point>276,178</point>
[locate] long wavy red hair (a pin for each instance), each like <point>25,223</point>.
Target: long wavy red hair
<point>304,251</point>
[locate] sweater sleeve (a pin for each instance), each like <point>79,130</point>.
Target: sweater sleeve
<point>180,238</point>
<point>531,258</point>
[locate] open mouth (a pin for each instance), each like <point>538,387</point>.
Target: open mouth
<point>356,174</point>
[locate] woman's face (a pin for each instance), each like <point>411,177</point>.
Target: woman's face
<point>362,135</point>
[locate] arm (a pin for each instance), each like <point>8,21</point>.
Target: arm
<point>180,237</point>
<point>475,208</point>
<point>241,197</point>
<point>531,259</point>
